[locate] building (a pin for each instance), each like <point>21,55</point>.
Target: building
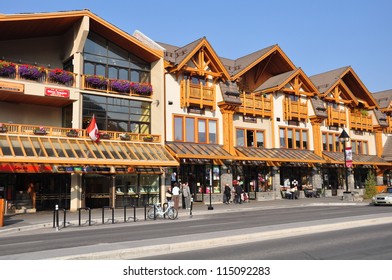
<point>172,114</point>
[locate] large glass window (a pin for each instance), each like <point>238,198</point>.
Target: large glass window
<point>117,114</point>
<point>252,137</point>
<point>190,130</point>
<point>296,138</point>
<point>104,58</point>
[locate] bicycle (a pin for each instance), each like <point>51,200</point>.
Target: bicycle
<point>157,211</point>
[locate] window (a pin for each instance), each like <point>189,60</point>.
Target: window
<point>197,130</point>
<point>252,137</point>
<point>293,138</point>
<point>359,147</point>
<point>117,114</point>
<point>331,142</point>
<point>102,57</point>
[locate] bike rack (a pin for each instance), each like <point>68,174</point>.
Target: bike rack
<point>125,213</point>
<point>56,217</point>
<point>103,213</point>
<point>89,215</point>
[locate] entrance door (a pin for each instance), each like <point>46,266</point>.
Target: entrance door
<point>97,190</point>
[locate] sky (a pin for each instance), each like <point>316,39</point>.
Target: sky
<point>317,36</point>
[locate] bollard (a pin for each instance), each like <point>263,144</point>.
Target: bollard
<point>145,212</point>
<point>57,217</point>
<point>103,213</point>
<point>65,218</point>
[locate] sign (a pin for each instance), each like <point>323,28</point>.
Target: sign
<point>13,87</point>
<point>24,168</point>
<point>249,119</point>
<point>57,92</point>
<point>349,157</point>
<point>196,110</point>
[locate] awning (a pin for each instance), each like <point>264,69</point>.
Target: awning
<point>277,156</point>
<point>69,151</point>
<point>336,157</point>
<point>196,151</point>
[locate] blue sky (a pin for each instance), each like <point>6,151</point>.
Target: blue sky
<point>317,36</point>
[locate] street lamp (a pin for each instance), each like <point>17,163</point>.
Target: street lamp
<point>344,138</point>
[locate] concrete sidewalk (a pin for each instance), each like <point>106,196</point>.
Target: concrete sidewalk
<point>45,219</point>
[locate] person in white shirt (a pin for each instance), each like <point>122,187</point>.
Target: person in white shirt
<point>176,195</point>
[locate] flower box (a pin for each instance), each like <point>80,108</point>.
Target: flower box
<point>122,86</point>
<point>61,76</point>
<point>30,72</point>
<point>104,136</point>
<point>141,88</point>
<point>7,69</point>
<point>3,129</point>
<point>96,81</point>
<point>40,131</point>
<point>125,137</point>
<point>73,133</point>
<point>148,139</point>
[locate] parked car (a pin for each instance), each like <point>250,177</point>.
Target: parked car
<point>384,198</point>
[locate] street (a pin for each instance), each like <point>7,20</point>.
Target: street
<point>131,240</point>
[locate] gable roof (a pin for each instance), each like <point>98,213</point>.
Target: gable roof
<point>179,56</point>
<point>384,99</point>
<point>241,65</point>
<point>32,25</point>
<point>348,79</point>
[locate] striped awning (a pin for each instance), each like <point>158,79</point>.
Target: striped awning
<point>198,151</point>
<point>336,157</point>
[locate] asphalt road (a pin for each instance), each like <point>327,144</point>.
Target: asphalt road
<point>72,241</point>
<point>362,243</point>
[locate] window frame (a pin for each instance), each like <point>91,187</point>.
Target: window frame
<point>197,120</point>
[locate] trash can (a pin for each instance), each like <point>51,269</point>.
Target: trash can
<point>1,212</point>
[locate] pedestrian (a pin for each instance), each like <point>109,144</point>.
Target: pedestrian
<point>32,194</point>
<point>186,192</point>
<point>176,195</point>
<point>227,193</point>
<point>169,194</point>
<point>238,192</point>
<point>173,179</point>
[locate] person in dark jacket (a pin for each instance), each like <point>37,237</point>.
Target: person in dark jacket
<point>227,193</point>
<point>238,192</point>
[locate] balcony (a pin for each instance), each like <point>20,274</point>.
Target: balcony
<point>336,117</point>
<point>26,129</point>
<point>360,121</point>
<point>295,110</point>
<point>38,74</point>
<point>199,95</point>
<point>123,87</point>
<point>256,105</point>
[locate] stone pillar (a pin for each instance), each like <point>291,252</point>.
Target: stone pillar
<point>351,181</point>
<point>112,192</point>
<point>316,179</point>
<point>76,192</point>
<point>276,182</point>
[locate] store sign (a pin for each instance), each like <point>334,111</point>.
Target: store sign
<point>249,119</point>
<point>57,92</point>
<point>24,168</point>
<point>84,169</point>
<point>13,87</point>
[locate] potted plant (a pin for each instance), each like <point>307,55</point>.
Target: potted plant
<point>30,72</point>
<point>73,133</point>
<point>7,69</point>
<point>40,131</point>
<point>96,81</point>
<point>61,76</point>
<point>121,85</point>
<point>125,136</point>
<point>104,136</point>
<point>141,88</point>
<point>148,138</point>
<point>2,128</point>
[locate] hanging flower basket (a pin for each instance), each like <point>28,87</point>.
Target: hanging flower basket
<point>121,86</point>
<point>73,133</point>
<point>96,81</point>
<point>3,129</point>
<point>7,69</point>
<point>141,88</point>
<point>148,138</point>
<point>61,76</point>
<point>30,72</point>
<point>125,136</point>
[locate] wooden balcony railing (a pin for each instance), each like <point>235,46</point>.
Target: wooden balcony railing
<point>389,128</point>
<point>360,121</point>
<point>199,95</point>
<point>256,105</point>
<point>336,117</point>
<point>38,74</point>
<point>26,129</point>
<point>295,110</point>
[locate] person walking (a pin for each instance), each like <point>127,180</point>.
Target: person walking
<point>186,192</point>
<point>238,192</point>
<point>227,193</point>
<point>176,195</point>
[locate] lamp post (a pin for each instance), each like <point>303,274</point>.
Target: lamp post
<point>344,138</point>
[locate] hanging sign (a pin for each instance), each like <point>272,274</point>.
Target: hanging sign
<point>349,157</point>
<point>57,92</point>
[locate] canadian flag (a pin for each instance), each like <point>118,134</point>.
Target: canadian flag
<point>92,130</point>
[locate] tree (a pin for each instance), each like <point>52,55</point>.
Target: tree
<point>370,184</point>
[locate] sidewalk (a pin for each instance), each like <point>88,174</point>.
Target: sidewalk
<point>44,219</point>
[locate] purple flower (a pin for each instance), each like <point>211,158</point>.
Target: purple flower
<point>141,88</point>
<point>31,72</point>
<point>121,85</point>
<point>7,69</point>
<point>61,76</point>
<point>96,80</point>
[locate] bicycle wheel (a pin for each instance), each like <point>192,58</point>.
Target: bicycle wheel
<point>172,214</point>
<point>150,213</point>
